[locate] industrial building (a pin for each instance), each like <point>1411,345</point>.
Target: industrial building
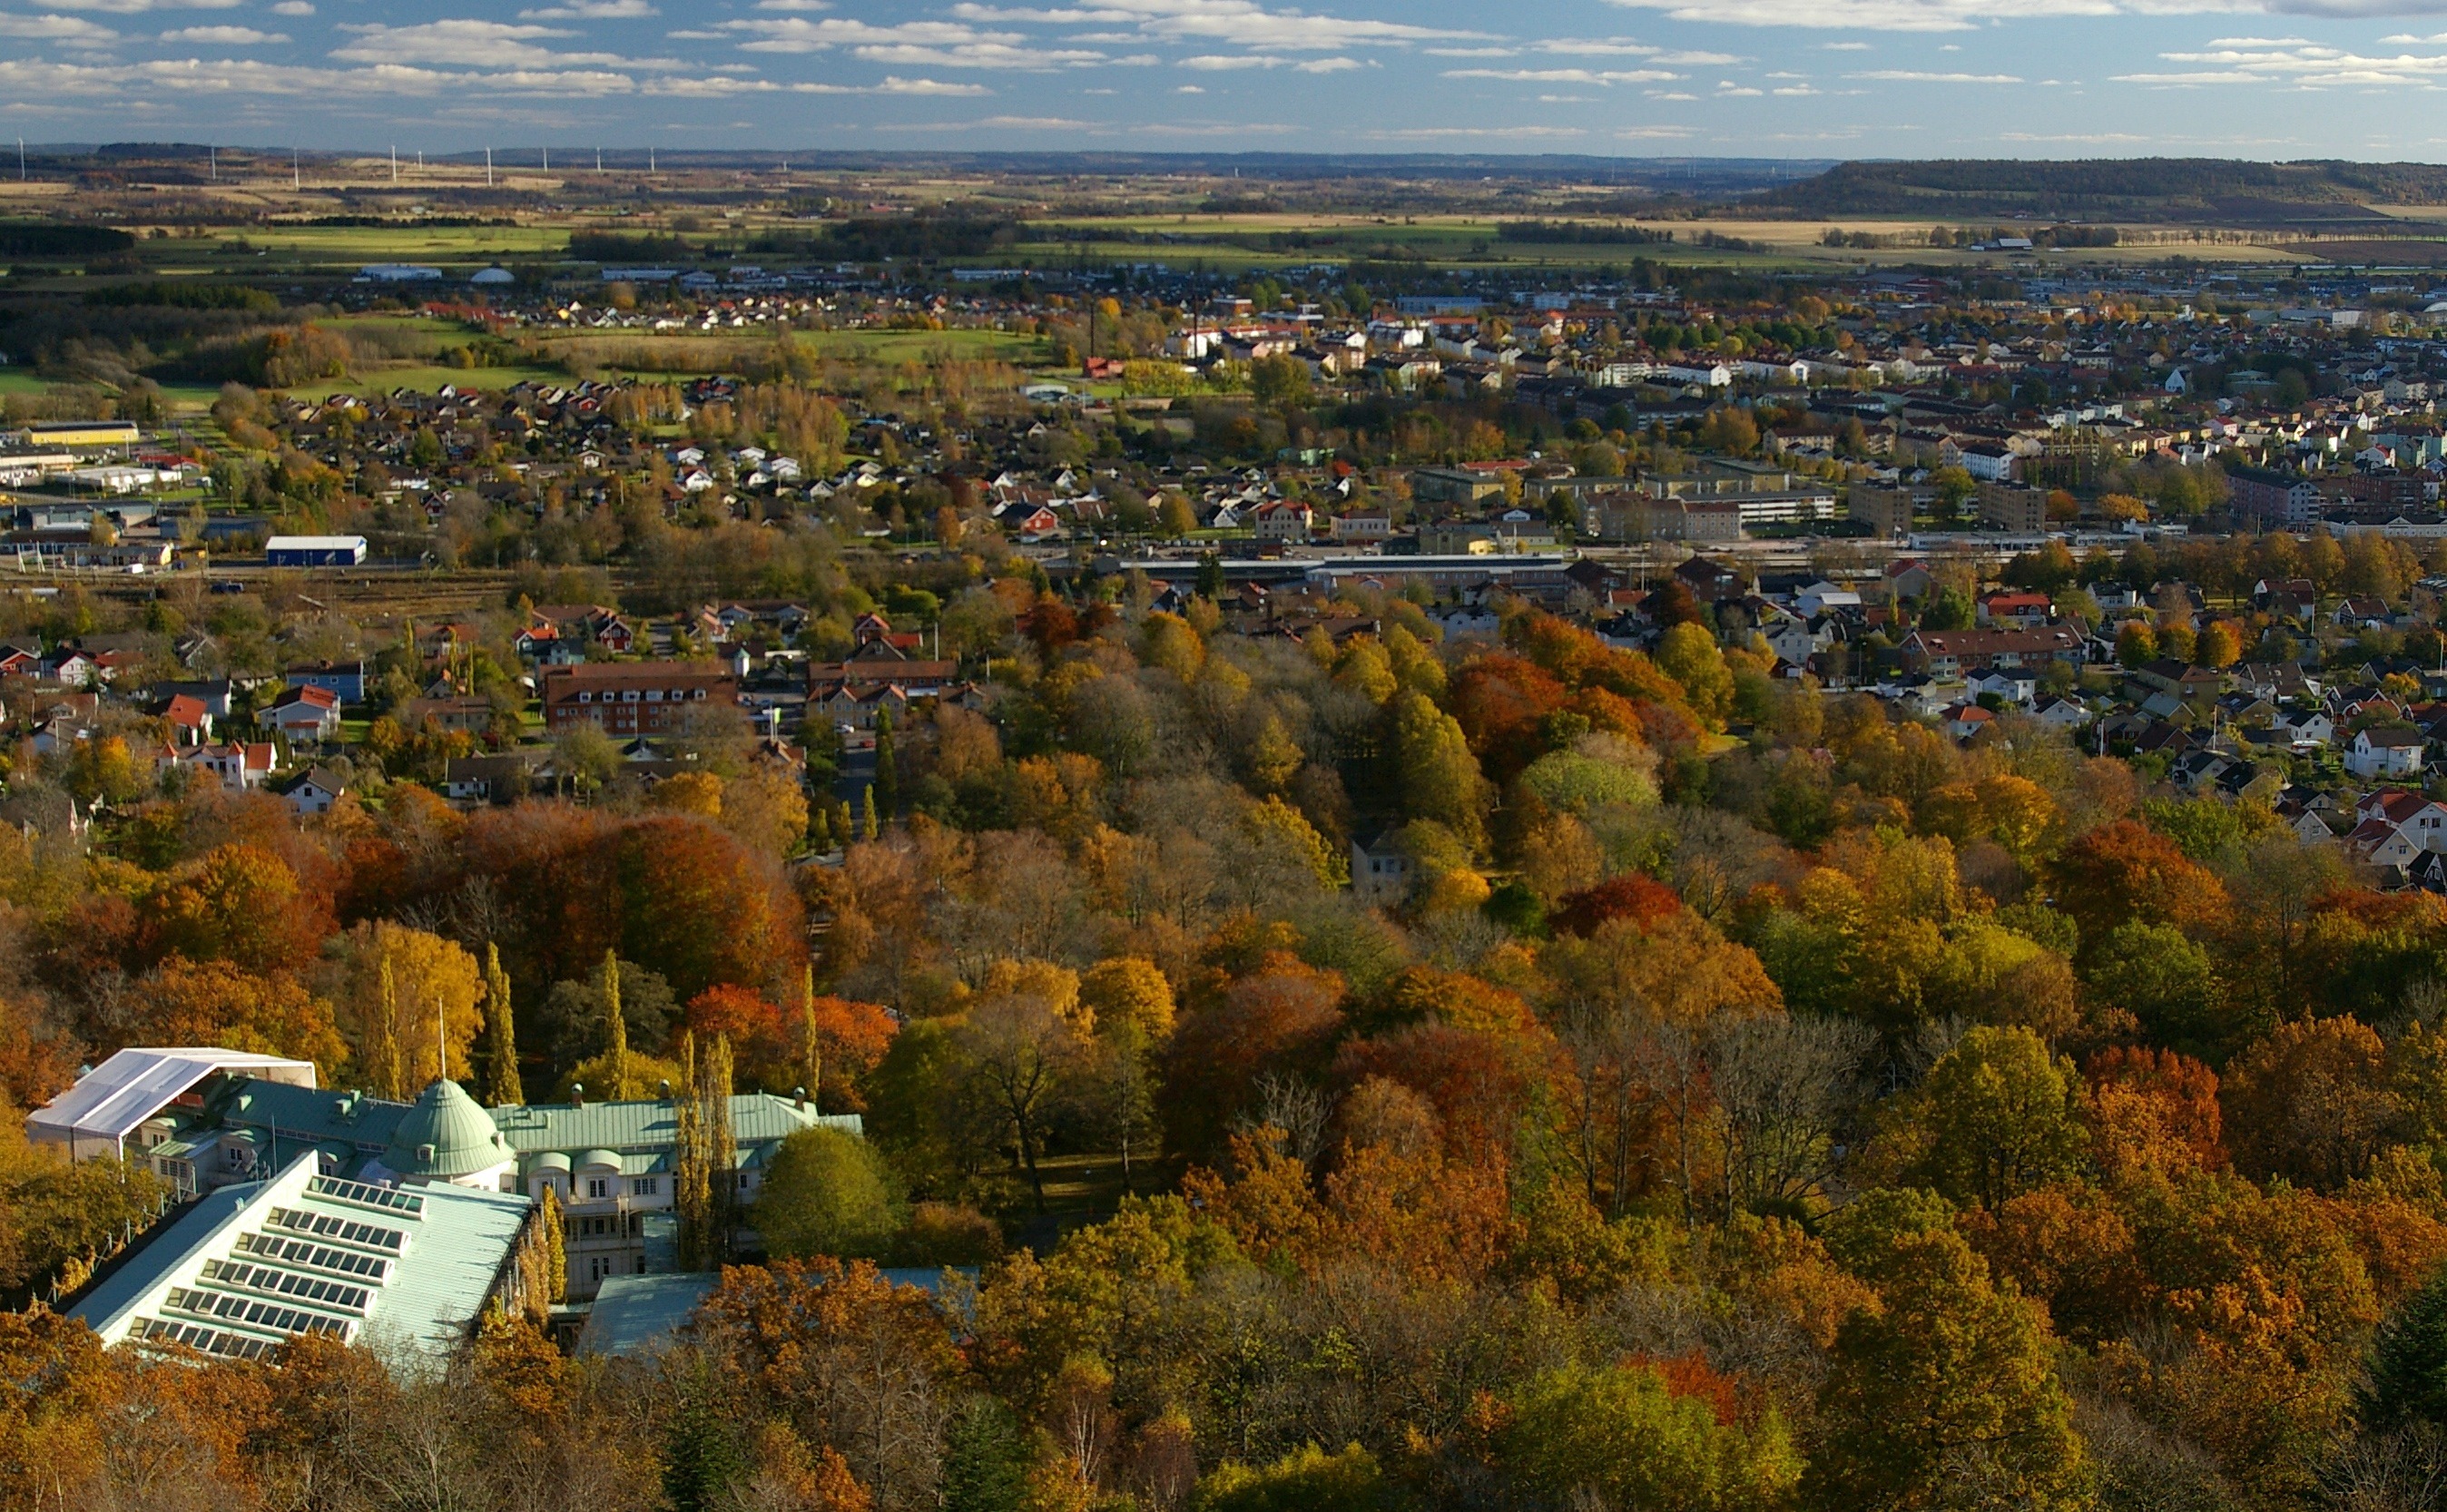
<point>314,551</point>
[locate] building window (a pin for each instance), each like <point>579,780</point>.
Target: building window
<point>597,1187</point>
<point>645,1186</point>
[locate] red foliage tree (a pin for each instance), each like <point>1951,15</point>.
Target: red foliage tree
<point>2127,870</point>
<point>1283,1017</point>
<point>1634,895</point>
<point>1502,702</point>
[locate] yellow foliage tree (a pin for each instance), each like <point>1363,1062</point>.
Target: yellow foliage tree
<point>401,988</point>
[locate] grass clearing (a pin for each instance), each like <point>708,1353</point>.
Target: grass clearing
<point>383,380</point>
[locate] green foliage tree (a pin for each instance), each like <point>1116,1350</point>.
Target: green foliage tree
<point>1998,1116</point>
<point>1689,655</point>
<point>985,1459</point>
<point>1945,1397</point>
<point>1617,1436</point>
<point>1440,778</point>
<point>2169,984</point>
<point>2405,1378</point>
<point>828,1192</point>
<point>1306,1479</point>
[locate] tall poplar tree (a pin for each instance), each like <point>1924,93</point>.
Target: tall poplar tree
<point>501,1085</point>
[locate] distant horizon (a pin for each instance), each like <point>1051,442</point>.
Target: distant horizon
<point>527,153</point>
<point>1877,78</point>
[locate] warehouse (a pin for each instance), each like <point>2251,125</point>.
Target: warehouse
<point>314,551</point>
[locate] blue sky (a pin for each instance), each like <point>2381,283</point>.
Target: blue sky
<point>1639,78</point>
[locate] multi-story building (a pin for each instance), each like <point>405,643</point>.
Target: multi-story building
<point>2267,498</point>
<point>635,698</point>
<point>2018,508</point>
<point>206,1119</point>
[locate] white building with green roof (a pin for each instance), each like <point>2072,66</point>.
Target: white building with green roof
<point>206,1119</point>
<point>252,1265</point>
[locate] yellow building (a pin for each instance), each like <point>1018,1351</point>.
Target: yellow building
<point>79,433</point>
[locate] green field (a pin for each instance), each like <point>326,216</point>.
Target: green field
<point>383,380</point>
<point>922,345</point>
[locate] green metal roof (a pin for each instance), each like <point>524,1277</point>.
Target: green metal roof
<point>404,1270</point>
<point>446,1135</point>
<point>756,1118</point>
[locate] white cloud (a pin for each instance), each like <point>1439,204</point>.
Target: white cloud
<point>1230,62</point>
<point>2099,138</point>
<point>1191,88</point>
<point>1567,75</point>
<point>1242,23</point>
<point>2251,60</point>
<point>1501,133</point>
<point>74,31</point>
<point>592,10</point>
<point>1656,133</point>
<point>142,84</point>
<point>137,8</point>
<point>895,84</point>
<point>939,43</point>
<point>1964,15</point>
<point>1795,91</point>
<point>1918,76</point>
<point>467,43</point>
<point>1626,47</point>
<point>1002,124</point>
<point>1471,52</point>
<point>1842,47</point>
<point>229,36</point>
<point>293,8</point>
<point>1730,90</point>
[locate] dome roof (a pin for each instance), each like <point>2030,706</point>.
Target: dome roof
<point>446,1135</point>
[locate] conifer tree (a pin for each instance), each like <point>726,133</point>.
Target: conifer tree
<point>394,1081</point>
<point>886,791</point>
<point>811,1050</point>
<point>616,1028</point>
<point>501,1085</point>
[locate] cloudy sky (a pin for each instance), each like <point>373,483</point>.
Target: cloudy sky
<point>1773,78</point>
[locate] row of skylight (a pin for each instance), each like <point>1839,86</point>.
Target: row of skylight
<point>315,1256</point>
<point>290,1284</point>
<point>389,1199</point>
<point>251,1313</point>
<point>212,1341</point>
<point>325,1225</point>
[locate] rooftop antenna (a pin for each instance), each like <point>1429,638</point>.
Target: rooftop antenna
<point>440,1042</point>
<point>488,167</point>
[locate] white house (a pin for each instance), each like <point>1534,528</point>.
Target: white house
<point>315,792</point>
<point>2385,750</point>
